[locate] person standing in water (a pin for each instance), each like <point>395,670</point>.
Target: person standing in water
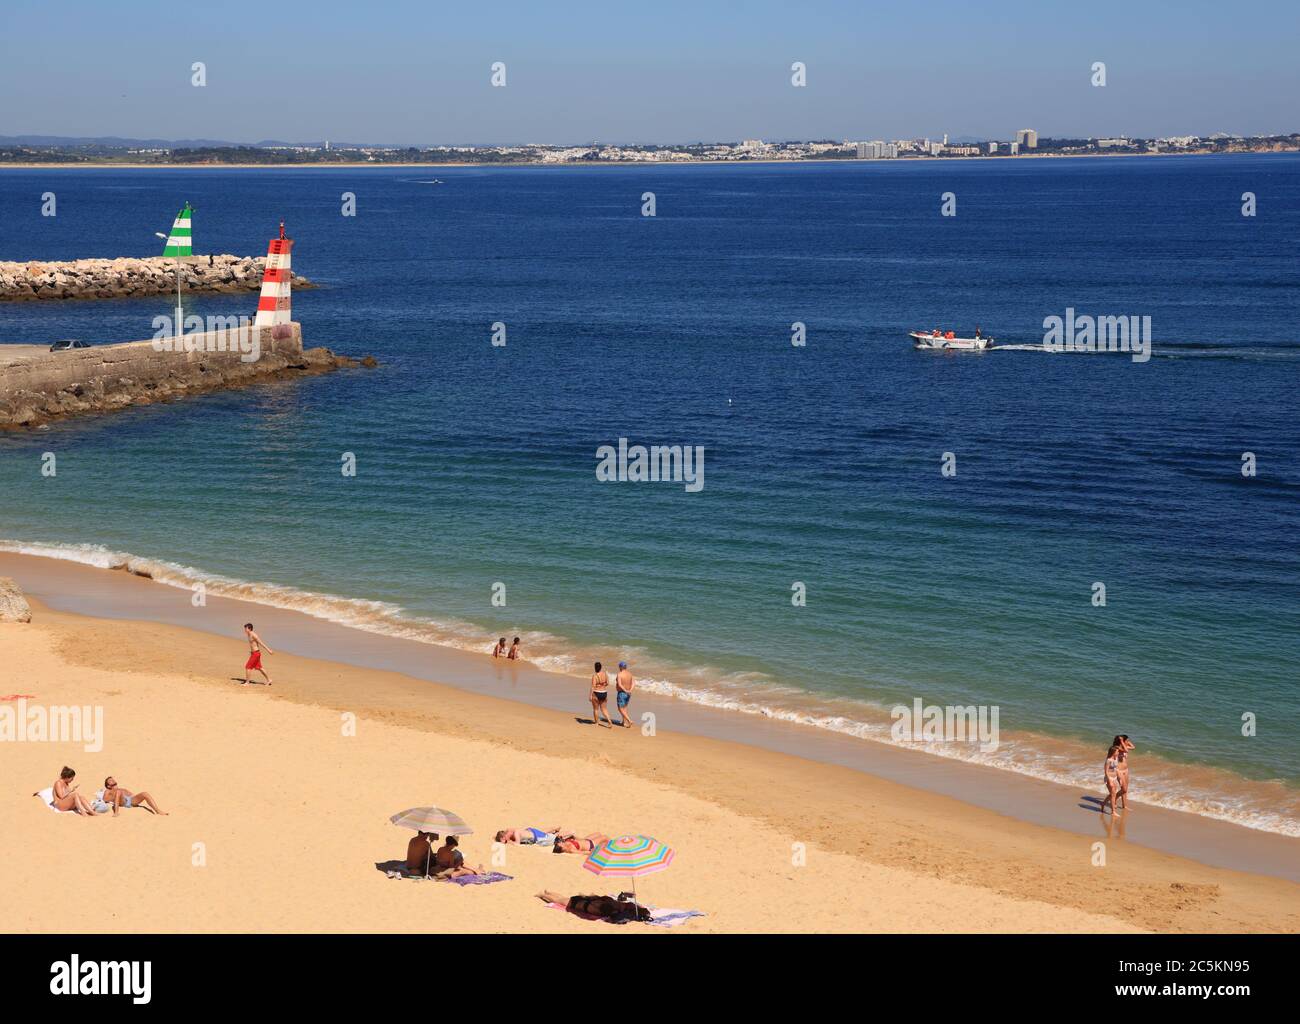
<point>624,683</point>
<point>1110,778</point>
<point>255,648</point>
<point>1124,744</point>
<point>599,695</point>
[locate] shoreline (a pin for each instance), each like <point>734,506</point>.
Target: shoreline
<point>352,165</point>
<point>251,776</point>
<point>72,587</point>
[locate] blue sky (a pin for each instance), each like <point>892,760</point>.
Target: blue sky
<point>655,72</point>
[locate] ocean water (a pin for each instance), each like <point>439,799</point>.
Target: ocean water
<point>476,464</point>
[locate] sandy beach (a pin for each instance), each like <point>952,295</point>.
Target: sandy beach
<point>286,806</point>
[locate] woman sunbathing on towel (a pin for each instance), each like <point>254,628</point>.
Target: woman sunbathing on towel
<point>531,836</point>
<point>66,797</point>
<point>569,843</point>
<point>604,908</point>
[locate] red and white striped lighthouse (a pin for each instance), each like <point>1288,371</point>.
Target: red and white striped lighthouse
<point>273,307</point>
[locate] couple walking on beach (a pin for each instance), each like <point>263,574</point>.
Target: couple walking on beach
<point>623,684</point>
<point>1114,774</point>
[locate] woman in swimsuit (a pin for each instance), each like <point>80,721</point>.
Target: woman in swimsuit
<point>514,651</point>
<point>448,862</point>
<point>66,797</point>
<point>499,650</point>
<point>1125,745</point>
<point>530,836</point>
<point>570,843</point>
<point>600,694</point>
<point>1110,775</point>
<point>604,908</point>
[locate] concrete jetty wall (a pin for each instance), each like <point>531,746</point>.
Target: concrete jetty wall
<point>127,277</point>
<point>39,386</point>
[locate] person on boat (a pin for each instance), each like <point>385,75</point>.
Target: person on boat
<point>977,331</point>
<point>936,334</point>
<point>950,334</point>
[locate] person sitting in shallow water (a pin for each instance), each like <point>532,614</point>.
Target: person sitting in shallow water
<point>529,836</point>
<point>569,843</point>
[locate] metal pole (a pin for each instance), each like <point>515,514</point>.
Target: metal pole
<point>179,311</point>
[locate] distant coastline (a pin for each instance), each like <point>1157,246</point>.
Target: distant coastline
<point>109,165</point>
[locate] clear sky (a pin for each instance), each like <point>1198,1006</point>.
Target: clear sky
<point>614,71</point>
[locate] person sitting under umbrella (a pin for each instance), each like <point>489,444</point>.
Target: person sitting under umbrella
<point>449,862</point>
<point>419,853</point>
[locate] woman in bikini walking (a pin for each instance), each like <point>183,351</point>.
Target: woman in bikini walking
<point>1110,776</point>
<point>599,695</point>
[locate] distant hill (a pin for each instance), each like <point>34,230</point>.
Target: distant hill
<point>116,142</point>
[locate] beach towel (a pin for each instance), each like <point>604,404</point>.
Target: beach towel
<point>487,879</point>
<point>665,918</point>
<point>47,798</point>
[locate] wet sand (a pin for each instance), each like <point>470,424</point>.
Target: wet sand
<point>293,814</point>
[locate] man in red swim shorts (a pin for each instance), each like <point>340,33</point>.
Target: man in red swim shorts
<point>255,648</point>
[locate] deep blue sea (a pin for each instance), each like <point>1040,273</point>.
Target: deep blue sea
<point>476,464</point>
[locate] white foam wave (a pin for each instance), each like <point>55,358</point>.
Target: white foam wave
<point>743,693</point>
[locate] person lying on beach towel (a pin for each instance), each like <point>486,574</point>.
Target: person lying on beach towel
<point>531,836</point>
<point>475,878</point>
<point>448,862</point>
<point>66,797</point>
<point>114,797</point>
<point>598,908</point>
<point>569,843</point>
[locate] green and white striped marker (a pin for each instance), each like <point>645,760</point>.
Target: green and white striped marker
<point>178,242</point>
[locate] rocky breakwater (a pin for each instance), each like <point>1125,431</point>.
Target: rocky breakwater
<point>128,277</point>
<point>42,386</point>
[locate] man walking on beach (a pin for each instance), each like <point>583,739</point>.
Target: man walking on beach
<point>624,683</point>
<point>255,648</point>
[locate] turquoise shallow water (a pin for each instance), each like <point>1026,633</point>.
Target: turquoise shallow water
<point>476,464</point>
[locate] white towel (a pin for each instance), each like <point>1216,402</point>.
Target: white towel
<point>47,798</point>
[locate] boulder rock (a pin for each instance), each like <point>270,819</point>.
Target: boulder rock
<point>13,606</point>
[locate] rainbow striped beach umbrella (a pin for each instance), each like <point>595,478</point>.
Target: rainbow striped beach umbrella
<point>629,857</point>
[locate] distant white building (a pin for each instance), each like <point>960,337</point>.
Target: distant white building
<point>1015,148</point>
<point>993,147</point>
<point>1028,138</point>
